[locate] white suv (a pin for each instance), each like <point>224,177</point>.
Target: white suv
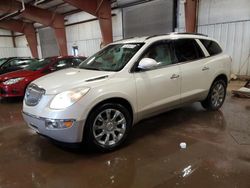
<point>127,81</point>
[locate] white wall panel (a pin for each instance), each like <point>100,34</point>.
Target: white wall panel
<point>228,21</point>
<point>21,41</point>
<point>22,48</point>
<point>79,17</point>
<point>23,52</point>
<point>7,52</point>
<point>220,11</point>
<point>235,40</point>
<point>6,45</point>
<point>5,41</point>
<point>87,36</point>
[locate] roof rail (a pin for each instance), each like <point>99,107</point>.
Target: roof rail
<point>187,33</point>
<point>176,33</point>
<point>149,37</point>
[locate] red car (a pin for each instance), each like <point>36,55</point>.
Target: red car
<point>13,84</point>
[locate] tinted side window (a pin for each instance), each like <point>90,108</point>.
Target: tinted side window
<point>15,62</point>
<point>162,53</point>
<point>212,47</point>
<point>6,65</point>
<point>187,50</point>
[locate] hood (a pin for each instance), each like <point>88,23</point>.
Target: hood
<point>16,74</point>
<point>66,79</point>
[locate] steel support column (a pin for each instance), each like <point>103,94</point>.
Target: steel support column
<point>102,10</point>
<point>105,21</point>
<point>45,17</point>
<point>190,15</point>
<point>26,28</point>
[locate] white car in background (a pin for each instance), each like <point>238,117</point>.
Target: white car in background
<point>126,82</point>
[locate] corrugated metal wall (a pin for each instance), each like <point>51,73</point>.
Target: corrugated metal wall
<point>87,36</point>
<point>6,45</point>
<point>148,18</point>
<point>235,40</point>
<point>7,49</point>
<point>228,21</point>
<point>22,48</point>
<point>7,52</point>
<point>48,42</point>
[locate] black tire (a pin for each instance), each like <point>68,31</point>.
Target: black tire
<point>208,102</point>
<point>89,133</point>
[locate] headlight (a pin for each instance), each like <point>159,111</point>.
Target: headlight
<point>12,81</point>
<point>67,98</point>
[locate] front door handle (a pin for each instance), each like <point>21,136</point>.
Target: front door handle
<point>174,76</point>
<point>205,68</point>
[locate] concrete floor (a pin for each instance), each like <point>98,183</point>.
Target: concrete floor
<point>217,153</point>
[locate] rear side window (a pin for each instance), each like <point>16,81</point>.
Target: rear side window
<point>187,50</point>
<point>212,47</point>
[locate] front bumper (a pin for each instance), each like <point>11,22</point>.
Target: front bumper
<point>67,135</point>
<point>11,91</point>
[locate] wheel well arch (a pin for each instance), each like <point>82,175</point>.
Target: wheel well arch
<point>221,77</point>
<point>117,100</point>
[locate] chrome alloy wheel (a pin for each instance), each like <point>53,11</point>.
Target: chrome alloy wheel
<point>218,94</point>
<point>109,127</point>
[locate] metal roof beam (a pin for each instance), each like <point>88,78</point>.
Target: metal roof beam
<point>45,17</point>
<point>102,10</point>
<point>22,27</point>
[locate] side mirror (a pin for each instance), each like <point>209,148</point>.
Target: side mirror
<point>52,69</point>
<point>49,70</point>
<point>147,63</point>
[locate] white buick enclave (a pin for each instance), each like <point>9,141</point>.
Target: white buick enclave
<point>127,81</point>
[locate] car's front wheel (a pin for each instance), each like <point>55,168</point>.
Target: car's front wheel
<point>216,96</point>
<point>108,126</point>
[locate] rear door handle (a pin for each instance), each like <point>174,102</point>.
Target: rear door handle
<point>205,68</point>
<point>174,76</point>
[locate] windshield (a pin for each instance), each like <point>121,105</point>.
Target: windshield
<point>2,61</point>
<point>112,58</point>
<point>38,64</point>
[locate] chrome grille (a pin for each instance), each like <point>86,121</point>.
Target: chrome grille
<point>33,95</point>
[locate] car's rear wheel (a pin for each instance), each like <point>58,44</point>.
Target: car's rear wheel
<point>216,96</point>
<point>108,126</point>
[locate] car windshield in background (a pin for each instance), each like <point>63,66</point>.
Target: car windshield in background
<point>2,61</point>
<point>38,64</point>
<point>24,62</point>
<point>111,58</point>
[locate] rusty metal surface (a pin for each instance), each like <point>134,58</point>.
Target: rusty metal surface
<point>190,15</point>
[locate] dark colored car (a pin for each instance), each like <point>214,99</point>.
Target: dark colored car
<point>13,84</point>
<point>3,60</point>
<point>15,63</point>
